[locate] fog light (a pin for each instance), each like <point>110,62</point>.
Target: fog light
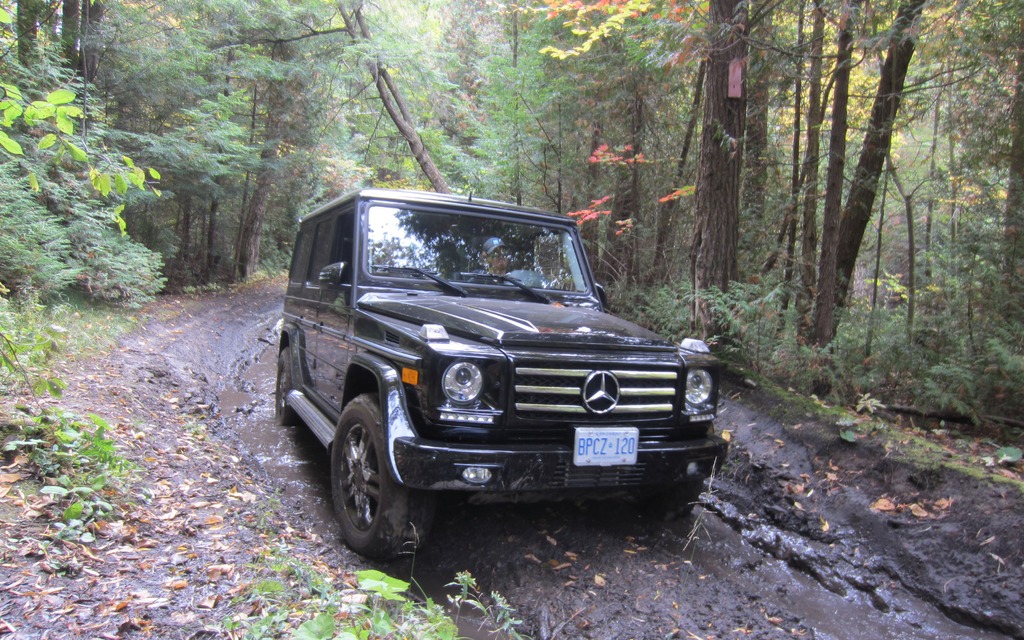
<point>692,469</point>
<point>476,475</point>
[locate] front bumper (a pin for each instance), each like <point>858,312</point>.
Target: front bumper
<point>428,464</point>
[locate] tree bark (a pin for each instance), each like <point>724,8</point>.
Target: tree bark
<point>809,172</point>
<point>1013,224</point>
<point>877,142</point>
<point>824,304</point>
<point>713,261</point>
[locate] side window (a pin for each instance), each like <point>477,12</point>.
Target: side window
<point>323,241</point>
<point>300,258</point>
<point>346,241</point>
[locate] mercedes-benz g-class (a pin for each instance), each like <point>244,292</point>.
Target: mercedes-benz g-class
<point>438,343</point>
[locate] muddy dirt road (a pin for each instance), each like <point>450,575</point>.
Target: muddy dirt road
<point>784,545</point>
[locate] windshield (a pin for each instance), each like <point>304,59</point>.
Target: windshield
<point>470,249</point>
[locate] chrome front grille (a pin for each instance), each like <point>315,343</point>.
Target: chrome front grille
<point>556,392</point>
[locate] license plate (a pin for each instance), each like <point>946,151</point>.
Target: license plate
<point>604,447</point>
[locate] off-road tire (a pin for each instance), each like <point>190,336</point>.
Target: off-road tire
<point>379,518</point>
<point>284,415</point>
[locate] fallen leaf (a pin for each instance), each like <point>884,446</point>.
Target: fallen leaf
<point>209,603</point>
<point>824,524</point>
<point>599,580</point>
<point>533,558</point>
<point>883,504</point>
<point>176,584</point>
<point>919,511</point>
<point>213,520</point>
<point>217,571</point>
<point>10,478</point>
<point>552,541</point>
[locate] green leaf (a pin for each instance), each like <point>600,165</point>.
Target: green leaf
<point>101,182</point>
<point>154,173</point>
<point>382,584</point>
<point>120,184</point>
<point>76,153</point>
<point>319,628</point>
<point>61,96</point>
<point>55,387</point>
<point>74,512</point>
<point>11,146</point>
<point>54,490</point>
<point>48,141</point>
<point>5,17</point>
<point>11,90</point>
<point>1008,455</point>
<point>33,182</point>
<point>848,435</point>
<point>64,124</point>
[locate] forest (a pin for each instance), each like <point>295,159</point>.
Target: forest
<point>830,192</point>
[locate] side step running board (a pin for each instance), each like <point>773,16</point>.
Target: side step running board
<point>318,424</point>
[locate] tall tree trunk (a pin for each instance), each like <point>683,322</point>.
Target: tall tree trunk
<point>877,142</point>
<point>393,100</point>
<point>70,30</point>
<point>824,303</point>
<point>1013,224</point>
<point>247,252</point>
<point>30,12</point>
<point>756,149</point>
<point>908,206</point>
<point>89,48</point>
<point>809,173</point>
<point>716,231</point>
<point>667,211</point>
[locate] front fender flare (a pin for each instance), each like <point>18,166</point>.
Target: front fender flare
<point>393,407</point>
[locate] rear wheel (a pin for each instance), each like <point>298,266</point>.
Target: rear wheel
<point>283,414</point>
<point>379,518</point>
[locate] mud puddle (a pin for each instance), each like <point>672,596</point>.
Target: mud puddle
<point>596,571</point>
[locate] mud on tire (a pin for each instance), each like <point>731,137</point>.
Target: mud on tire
<point>284,415</point>
<point>379,518</point>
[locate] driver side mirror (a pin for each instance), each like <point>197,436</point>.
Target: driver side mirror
<point>602,295</point>
<point>332,274</point>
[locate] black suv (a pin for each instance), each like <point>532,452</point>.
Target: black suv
<point>443,343</point>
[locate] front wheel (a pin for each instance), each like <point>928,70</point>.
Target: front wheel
<point>284,415</point>
<point>379,518</point>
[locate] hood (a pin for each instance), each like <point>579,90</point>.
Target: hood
<point>514,323</point>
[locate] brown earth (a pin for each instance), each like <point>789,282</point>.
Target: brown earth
<point>803,535</point>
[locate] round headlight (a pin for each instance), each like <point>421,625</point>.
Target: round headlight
<point>462,382</point>
<point>698,386</point>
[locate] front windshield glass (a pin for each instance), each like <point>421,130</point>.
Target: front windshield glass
<point>471,249</point>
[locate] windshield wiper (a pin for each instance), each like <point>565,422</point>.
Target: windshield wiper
<point>528,290</point>
<point>447,285</point>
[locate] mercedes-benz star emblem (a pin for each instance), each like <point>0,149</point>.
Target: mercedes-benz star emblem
<point>601,391</point>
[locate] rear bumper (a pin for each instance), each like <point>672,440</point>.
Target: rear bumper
<point>426,464</point>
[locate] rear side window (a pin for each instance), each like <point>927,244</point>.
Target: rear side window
<point>300,258</point>
<point>323,242</point>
